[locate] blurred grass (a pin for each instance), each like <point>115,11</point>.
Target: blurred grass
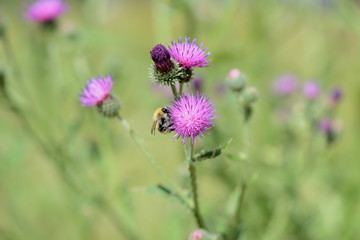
<point>292,197</point>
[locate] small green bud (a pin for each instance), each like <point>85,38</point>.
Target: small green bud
<point>250,95</point>
<point>236,80</point>
<point>109,107</point>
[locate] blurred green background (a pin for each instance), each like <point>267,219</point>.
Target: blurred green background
<point>75,174</point>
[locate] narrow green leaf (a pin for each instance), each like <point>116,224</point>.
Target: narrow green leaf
<point>203,155</point>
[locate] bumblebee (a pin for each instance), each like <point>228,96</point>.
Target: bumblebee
<point>162,121</point>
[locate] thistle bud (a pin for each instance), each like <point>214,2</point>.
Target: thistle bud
<point>164,70</point>
<point>201,234</point>
<point>109,107</point>
<point>161,57</point>
<point>236,80</point>
<point>250,95</point>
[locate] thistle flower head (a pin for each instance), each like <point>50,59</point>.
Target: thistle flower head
<point>285,85</point>
<point>325,125</point>
<point>45,10</point>
<point>191,116</point>
<point>96,91</point>
<point>336,94</point>
<point>311,90</point>
<point>161,57</point>
<point>188,55</point>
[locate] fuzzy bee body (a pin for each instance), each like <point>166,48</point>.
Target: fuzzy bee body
<point>162,121</point>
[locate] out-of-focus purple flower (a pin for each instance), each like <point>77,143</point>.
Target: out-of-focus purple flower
<point>161,57</point>
<point>311,90</point>
<point>325,125</point>
<point>197,83</point>
<point>196,235</point>
<point>192,116</point>
<point>45,10</point>
<point>336,94</point>
<point>285,85</point>
<point>188,55</point>
<point>96,91</point>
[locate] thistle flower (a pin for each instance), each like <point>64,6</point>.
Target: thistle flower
<point>311,90</point>
<point>188,55</point>
<point>161,57</point>
<point>285,85</point>
<point>97,93</point>
<point>191,116</point>
<point>336,94</point>
<point>45,10</point>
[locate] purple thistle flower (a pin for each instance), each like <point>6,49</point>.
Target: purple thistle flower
<point>45,10</point>
<point>161,57</point>
<point>311,90</point>
<point>325,125</point>
<point>285,85</point>
<point>189,55</point>
<point>96,91</point>
<point>191,116</point>
<point>336,94</point>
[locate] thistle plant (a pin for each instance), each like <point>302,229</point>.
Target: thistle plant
<point>46,12</point>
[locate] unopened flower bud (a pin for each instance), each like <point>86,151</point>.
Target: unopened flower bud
<point>161,57</point>
<point>330,128</point>
<point>250,95</point>
<point>201,234</point>
<point>236,80</point>
<point>164,71</point>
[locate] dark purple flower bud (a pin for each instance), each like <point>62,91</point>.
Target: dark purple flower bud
<point>329,129</point>
<point>285,85</point>
<point>325,125</point>
<point>161,57</point>
<point>311,90</point>
<point>336,94</point>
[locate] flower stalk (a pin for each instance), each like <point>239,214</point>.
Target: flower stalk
<point>189,151</point>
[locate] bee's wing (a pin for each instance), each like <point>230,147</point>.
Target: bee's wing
<point>153,127</point>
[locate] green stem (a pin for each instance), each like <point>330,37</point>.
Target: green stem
<point>152,161</point>
<point>233,230</point>
<point>236,219</point>
<point>173,89</point>
<point>181,88</point>
<point>189,150</point>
